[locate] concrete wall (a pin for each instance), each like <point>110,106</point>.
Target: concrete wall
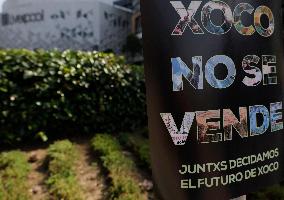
<point>63,24</point>
<point>114,25</point>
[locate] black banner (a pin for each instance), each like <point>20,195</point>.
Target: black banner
<point>214,80</point>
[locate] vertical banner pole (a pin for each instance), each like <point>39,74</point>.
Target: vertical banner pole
<point>214,81</point>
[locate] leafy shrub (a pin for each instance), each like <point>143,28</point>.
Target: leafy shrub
<point>62,179</point>
<point>47,92</point>
<point>139,145</point>
<point>105,144</point>
<point>117,162</point>
<point>121,168</point>
<point>61,157</point>
<point>133,45</point>
<point>125,189</point>
<point>273,193</point>
<point>64,187</point>
<point>14,170</point>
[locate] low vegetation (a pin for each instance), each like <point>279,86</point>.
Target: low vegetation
<point>139,145</point>
<point>14,170</point>
<point>121,168</point>
<point>63,184</point>
<point>62,178</point>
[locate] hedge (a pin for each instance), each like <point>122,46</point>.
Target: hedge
<point>62,182</point>
<point>14,170</point>
<point>121,168</point>
<point>50,92</point>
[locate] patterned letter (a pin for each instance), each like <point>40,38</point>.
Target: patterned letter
<point>210,68</point>
<point>180,70</point>
<point>206,17</point>
<point>203,126</point>
<point>263,10</point>
<point>186,17</point>
<point>276,117</point>
<point>269,70</point>
<point>179,137</point>
<point>230,121</point>
<point>240,8</point>
<point>254,128</point>
<point>246,64</point>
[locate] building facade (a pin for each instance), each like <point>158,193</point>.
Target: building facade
<point>133,5</point>
<point>64,24</point>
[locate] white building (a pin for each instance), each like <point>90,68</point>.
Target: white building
<point>133,5</point>
<point>63,24</point>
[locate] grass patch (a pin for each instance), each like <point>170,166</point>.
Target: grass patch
<point>14,169</point>
<point>62,179</point>
<point>139,145</point>
<point>121,168</point>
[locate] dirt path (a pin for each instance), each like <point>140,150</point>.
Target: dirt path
<point>37,175</point>
<point>89,174</point>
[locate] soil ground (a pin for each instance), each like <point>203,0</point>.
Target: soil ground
<point>90,174</point>
<point>38,174</point>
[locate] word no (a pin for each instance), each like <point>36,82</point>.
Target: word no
<point>195,77</point>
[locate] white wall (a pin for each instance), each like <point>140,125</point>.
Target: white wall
<point>63,24</point>
<point>114,25</point>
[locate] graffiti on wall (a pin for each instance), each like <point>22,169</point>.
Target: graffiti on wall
<point>8,19</point>
<point>84,29</point>
<point>114,26</point>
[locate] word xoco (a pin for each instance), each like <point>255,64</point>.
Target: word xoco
<point>231,18</point>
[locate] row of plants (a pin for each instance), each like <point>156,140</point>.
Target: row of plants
<point>62,181</point>
<point>46,92</point>
<point>121,169</point>
<point>14,170</point>
<point>139,145</point>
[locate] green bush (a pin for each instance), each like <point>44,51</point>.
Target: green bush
<point>61,158</point>
<point>125,188</point>
<point>121,168</point>
<point>14,170</point>
<point>139,145</point>
<point>64,187</point>
<point>117,162</point>
<point>105,144</point>
<point>49,92</point>
<point>62,179</point>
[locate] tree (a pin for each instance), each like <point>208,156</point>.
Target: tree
<point>133,45</point>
